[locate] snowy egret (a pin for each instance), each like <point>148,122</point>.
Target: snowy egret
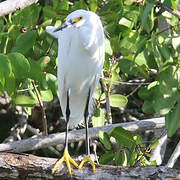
<point>81,54</point>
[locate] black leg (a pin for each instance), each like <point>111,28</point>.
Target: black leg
<point>67,118</point>
<point>86,117</point>
<point>66,157</point>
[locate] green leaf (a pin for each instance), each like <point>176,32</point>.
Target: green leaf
<point>25,42</point>
<point>172,120</point>
<point>10,84</point>
<point>117,100</point>
<point>52,83</point>
<point>174,5</point>
<point>105,139</point>
<point>121,158</point>
<point>128,66</point>
<point>49,12</point>
<point>147,17</point>
<point>154,144</point>
<point>132,157</point>
<point>20,65</point>
<point>166,93</point>
<point>43,62</point>
<point>35,71</point>
<point>46,95</point>
<point>140,59</point>
<point>122,136</point>
<point>106,157</point>
<point>63,5</point>
<point>125,22</point>
<point>128,2</point>
<point>148,107</point>
<point>93,5</point>
<point>27,17</point>
<point>108,48</point>
<point>128,43</point>
<point>23,100</point>
<point>138,140</point>
<point>1,88</point>
<point>163,99</point>
<point>176,42</point>
<point>143,93</point>
<point>98,118</point>
<point>5,66</point>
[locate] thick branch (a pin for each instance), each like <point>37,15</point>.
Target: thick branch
<point>174,156</point>
<point>78,135</point>
<point>9,6</point>
<point>32,167</point>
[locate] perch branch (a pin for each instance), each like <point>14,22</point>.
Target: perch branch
<point>10,6</point>
<point>26,166</point>
<point>78,135</point>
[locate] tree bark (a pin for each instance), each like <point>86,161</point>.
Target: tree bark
<point>26,166</point>
<point>10,6</point>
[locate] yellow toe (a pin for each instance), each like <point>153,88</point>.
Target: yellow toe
<point>87,158</point>
<point>66,158</point>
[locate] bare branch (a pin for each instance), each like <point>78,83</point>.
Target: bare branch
<point>170,10</point>
<point>78,135</point>
<point>44,119</point>
<point>105,89</point>
<point>17,166</point>
<point>174,156</point>
<point>159,152</point>
<point>10,6</point>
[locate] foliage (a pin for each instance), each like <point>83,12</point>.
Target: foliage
<point>124,149</point>
<point>136,45</point>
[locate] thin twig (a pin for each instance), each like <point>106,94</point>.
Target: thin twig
<point>50,47</point>
<point>27,89</point>
<point>44,120</point>
<point>130,94</point>
<point>108,107</point>
<point>170,10</point>
<point>126,83</point>
<point>166,29</point>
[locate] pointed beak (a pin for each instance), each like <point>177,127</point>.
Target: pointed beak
<point>65,25</point>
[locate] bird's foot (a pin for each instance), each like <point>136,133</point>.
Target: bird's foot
<point>87,158</point>
<point>67,158</point>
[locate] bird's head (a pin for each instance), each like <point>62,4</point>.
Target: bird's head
<point>77,19</point>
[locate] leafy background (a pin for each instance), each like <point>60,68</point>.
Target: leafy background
<point>142,46</point>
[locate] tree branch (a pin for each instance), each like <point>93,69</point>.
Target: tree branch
<point>26,166</point>
<point>174,156</point>
<point>10,6</point>
<point>78,135</point>
<point>170,10</point>
<point>44,119</point>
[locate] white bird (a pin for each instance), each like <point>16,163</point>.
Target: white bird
<point>81,53</point>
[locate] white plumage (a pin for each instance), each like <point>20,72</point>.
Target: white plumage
<point>80,61</point>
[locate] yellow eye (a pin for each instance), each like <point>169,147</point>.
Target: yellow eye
<point>77,19</point>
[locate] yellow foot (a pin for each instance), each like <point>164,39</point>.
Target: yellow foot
<point>87,159</point>
<point>67,158</point>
